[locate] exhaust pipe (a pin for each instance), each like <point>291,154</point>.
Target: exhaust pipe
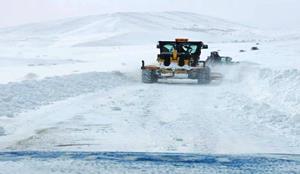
<point>143,64</point>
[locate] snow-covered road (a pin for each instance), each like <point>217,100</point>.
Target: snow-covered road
<point>245,113</point>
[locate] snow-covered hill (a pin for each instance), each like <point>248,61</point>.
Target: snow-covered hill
<point>127,28</point>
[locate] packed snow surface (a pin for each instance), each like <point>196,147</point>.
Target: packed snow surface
<point>74,85</point>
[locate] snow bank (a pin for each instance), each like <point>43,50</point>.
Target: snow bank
<point>19,97</point>
<point>267,98</point>
<point>280,91</point>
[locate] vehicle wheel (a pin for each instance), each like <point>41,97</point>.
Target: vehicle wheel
<point>204,75</point>
<point>149,76</point>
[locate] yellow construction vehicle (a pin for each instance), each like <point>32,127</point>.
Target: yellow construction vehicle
<point>179,59</point>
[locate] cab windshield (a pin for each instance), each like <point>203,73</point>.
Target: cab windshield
<point>187,47</point>
<point>180,47</point>
<point>168,48</point>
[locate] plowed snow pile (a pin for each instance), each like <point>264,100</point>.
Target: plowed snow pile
<point>30,94</point>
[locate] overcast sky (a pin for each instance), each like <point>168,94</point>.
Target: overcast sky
<point>258,13</point>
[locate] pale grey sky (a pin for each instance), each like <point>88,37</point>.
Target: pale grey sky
<point>257,13</point>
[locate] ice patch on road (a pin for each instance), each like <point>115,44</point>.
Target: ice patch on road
<point>136,163</point>
<point>26,95</point>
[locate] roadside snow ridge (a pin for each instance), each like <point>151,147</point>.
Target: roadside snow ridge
<point>30,94</point>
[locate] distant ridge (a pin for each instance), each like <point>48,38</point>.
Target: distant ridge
<point>127,28</point>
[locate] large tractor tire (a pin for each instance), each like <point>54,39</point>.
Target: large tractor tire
<point>204,75</point>
<point>149,76</point>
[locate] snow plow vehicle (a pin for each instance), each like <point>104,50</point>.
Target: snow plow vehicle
<point>179,59</point>
<point>216,59</point>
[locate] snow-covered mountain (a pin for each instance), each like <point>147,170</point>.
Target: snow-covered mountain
<point>127,28</point>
